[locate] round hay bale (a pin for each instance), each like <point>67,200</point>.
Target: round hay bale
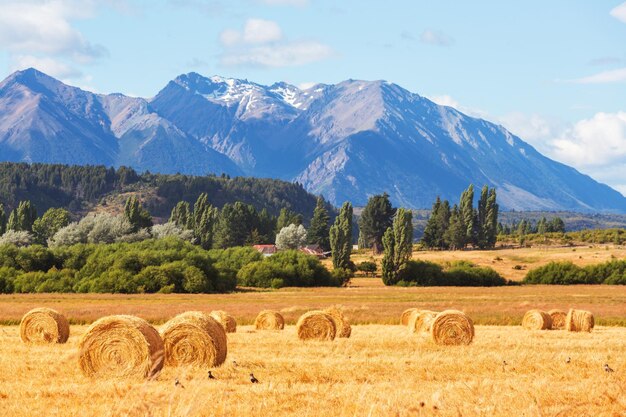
<point>194,339</point>
<point>121,346</point>
<point>579,321</point>
<point>452,327</point>
<point>342,325</point>
<point>44,325</point>
<point>406,314</point>
<point>269,320</point>
<point>316,325</point>
<point>227,321</point>
<point>421,321</point>
<point>537,320</point>
<point>558,319</point>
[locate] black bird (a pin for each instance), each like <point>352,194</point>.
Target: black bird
<point>504,364</point>
<point>234,363</point>
<point>178,384</point>
<point>607,368</point>
<point>253,379</point>
<point>568,360</point>
<point>211,375</point>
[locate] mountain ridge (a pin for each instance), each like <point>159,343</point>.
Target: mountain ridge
<point>347,141</point>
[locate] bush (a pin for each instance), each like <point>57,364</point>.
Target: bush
<point>367,267</point>
<point>565,273</point>
<point>559,273</point>
<point>7,276</point>
<point>286,268</point>
<point>462,273</point>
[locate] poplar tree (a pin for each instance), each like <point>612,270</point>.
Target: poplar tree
<point>22,218</point>
<point>3,220</point>
<point>181,215</point>
<point>341,238</point>
<point>398,245</point>
<point>468,215</point>
<point>136,215</point>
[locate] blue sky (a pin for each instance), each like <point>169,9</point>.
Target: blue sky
<point>553,72</point>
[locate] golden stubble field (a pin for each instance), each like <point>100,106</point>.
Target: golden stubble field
<point>382,370</point>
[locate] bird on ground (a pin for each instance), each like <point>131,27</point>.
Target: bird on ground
<point>211,375</point>
<point>234,363</point>
<point>178,384</point>
<point>253,379</point>
<point>568,360</point>
<point>607,368</point>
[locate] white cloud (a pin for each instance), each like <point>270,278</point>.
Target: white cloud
<point>611,76</point>
<point>261,44</point>
<point>298,3</point>
<point>619,12</point>
<point>255,31</point>
<point>42,34</point>
<point>532,128</point>
<point>261,31</point>
<point>31,27</point>
<point>284,55</point>
<point>437,38</point>
<point>597,141</point>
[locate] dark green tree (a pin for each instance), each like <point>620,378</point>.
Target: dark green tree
<point>455,235</point>
<point>468,215</point>
<point>437,225</point>
<point>287,217</point>
<point>267,227</point>
<point>23,217</point>
<point>319,229</point>
<point>398,246</point>
<point>199,207</point>
<point>341,237</point>
<point>3,220</point>
<point>490,227</point>
<point>204,229</point>
<point>181,215</point>
<point>556,225</point>
<point>235,225</point>
<point>376,218</point>
<point>47,225</point>
<point>138,216</point>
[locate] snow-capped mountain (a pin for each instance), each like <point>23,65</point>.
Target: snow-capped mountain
<point>346,141</point>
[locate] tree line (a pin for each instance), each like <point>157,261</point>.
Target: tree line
<point>461,225</point>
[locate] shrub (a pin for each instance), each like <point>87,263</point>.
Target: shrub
<point>7,276</point>
<point>367,267</point>
<point>461,273</point>
<point>292,268</point>
<point>559,273</point>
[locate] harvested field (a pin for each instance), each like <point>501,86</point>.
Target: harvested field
<point>382,370</point>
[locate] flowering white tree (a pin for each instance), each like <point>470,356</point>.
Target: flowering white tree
<point>291,237</point>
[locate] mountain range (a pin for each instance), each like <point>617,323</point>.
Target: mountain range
<point>346,141</point>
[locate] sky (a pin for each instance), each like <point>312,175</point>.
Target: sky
<point>552,72</point>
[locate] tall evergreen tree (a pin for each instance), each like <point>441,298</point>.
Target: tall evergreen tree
<point>235,225</point>
<point>205,227</point>
<point>199,208</point>
<point>3,220</point>
<point>23,217</point>
<point>319,229</point>
<point>490,227</point>
<point>437,225</point>
<point>137,216</point>
<point>181,215</point>
<point>468,215</point>
<point>376,218</point>
<point>287,217</point>
<point>398,245</point>
<point>341,237</point>
<point>455,235</point>
<point>267,227</point>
